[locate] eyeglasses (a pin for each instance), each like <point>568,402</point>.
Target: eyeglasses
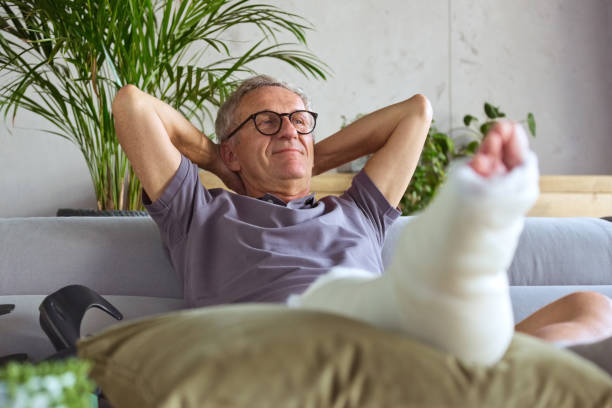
<point>269,123</point>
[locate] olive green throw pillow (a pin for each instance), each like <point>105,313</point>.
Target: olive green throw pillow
<point>272,356</point>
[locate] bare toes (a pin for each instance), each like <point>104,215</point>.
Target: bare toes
<point>487,165</point>
<point>514,149</point>
<point>480,165</point>
<point>492,144</point>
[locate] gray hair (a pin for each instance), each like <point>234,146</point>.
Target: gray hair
<point>226,121</point>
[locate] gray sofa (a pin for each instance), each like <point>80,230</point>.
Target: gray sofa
<point>124,260</point>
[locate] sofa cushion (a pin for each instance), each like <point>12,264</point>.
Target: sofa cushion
<point>550,251</point>
<point>112,255</point>
<point>563,251</point>
<point>268,355</point>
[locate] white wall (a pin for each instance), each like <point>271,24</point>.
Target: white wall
<point>551,57</point>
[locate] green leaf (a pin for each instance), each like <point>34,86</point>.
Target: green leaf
<point>113,69</point>
<point>468,119</point>
<point>485,127</point>
<point>489,110</point>
<point>531,123</point>
<point>471,147</point>
<point>493,112</point>
<point>444,142</point>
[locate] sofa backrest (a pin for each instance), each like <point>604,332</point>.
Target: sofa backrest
<point>113,255</point>
<point>551,251</point>
<point>123,259</point>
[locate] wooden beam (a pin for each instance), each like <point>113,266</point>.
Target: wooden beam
<point>574,196</point>
<point>576,184</point>
<point>322,185</point>
<point>560,195</point>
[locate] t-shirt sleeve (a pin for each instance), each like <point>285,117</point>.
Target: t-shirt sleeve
<point>174,209</point>
<point>372,204</point>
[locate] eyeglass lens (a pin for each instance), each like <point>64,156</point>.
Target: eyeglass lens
<point>270,123</point>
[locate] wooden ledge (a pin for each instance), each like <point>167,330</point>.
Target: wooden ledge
<point>574,196</point>
<point>322,185</point>
<point>560,195</point>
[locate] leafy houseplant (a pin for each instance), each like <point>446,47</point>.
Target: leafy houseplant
<point>48,384</point>
<point>66,60</point>
<point>440,149</point>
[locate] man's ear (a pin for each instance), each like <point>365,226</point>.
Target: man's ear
<point>229,156</point>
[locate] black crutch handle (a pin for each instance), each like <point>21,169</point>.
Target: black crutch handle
<point>61,313</point>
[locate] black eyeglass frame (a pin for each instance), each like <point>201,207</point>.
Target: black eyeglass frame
<point>280,126</point>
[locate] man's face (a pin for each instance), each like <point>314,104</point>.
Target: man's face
<point>264,161</point>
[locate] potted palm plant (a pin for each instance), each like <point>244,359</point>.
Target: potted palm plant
<point>66,60</point>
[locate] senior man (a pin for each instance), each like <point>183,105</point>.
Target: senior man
<point>271,241</point>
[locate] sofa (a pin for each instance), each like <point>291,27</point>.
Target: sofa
<point>123,259</point>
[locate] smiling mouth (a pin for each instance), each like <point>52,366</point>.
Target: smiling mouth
<point>288,151</point>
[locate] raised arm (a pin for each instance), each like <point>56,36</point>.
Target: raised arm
<point>394,134</point>
<point>153,135</point>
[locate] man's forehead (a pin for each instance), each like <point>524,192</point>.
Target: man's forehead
<point>274,98</point>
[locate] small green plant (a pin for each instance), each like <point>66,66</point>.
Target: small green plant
<point>48,384</point>
<point>440,149</point>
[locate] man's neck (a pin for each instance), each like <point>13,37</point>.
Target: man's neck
<point>288,190</point>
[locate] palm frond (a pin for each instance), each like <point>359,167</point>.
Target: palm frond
<point>65,62</point>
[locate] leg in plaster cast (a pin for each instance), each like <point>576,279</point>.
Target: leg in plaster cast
<point>447,284</point>
<point>450,275</point>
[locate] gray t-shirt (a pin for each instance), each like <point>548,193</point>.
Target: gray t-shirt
<point>227,247</point>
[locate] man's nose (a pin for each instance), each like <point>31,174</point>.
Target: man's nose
<point>287,129</point>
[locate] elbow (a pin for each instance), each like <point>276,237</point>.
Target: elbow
<point>124,106</point>
<point>421,107</point>
<point>125,98</point>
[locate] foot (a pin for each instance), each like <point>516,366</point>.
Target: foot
<point>502,149</point>
<point>450,276</point>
